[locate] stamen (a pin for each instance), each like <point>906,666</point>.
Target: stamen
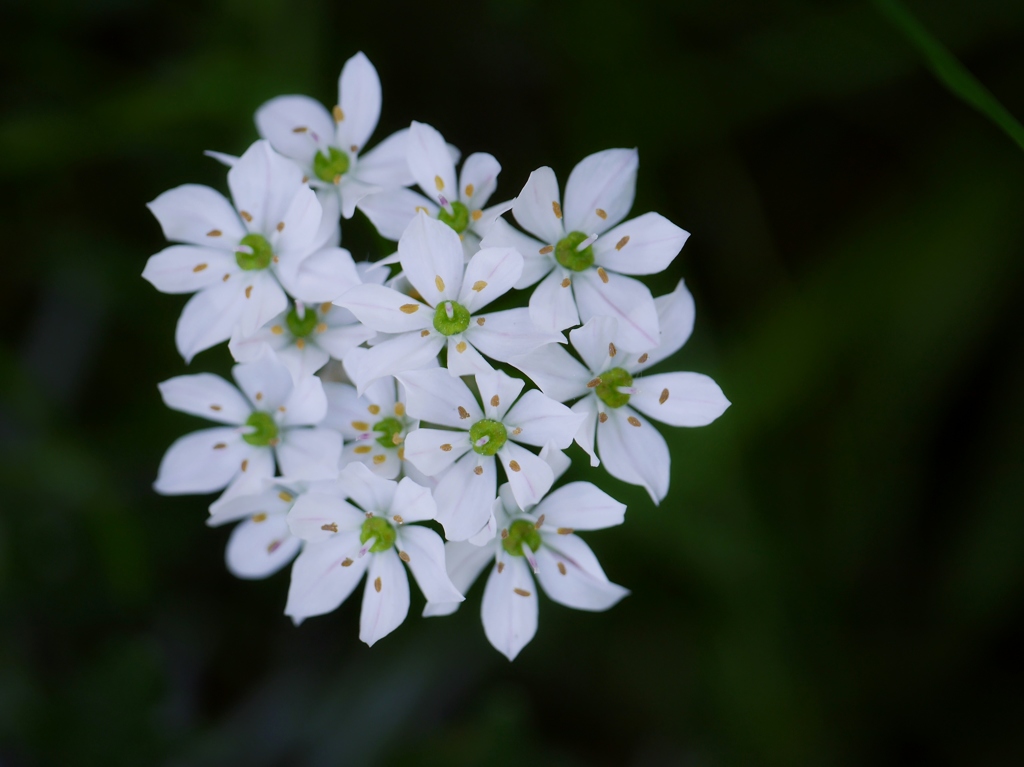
<point>220,446</point>
<point>331,528</point>
<point>446,447</point>
<point>421,209</point>
<point>513,465</point>
<point>495,401</point>
<point>198,267</point>
<point>477,286</point>
<point>566,282</point>
<point>561,568</point>
<point>460,347</point>
<point>245,464</point>
<point>246,215</point>
<point>277,330</point>
<point>476,215</point>
<point>337,179</point>
<point>546,249</point>
<point>463,413</point>
<point>540,522</point>
<point>517,431</point>
<point>280,226</point>
<point>602,274</point>
<point>300,343</point>
<point>564,531</point>
<point>556,208</point>
<point>521,592</point>
<point>439,183</point>
<point>214,233</point>
<point>424,333</point>
<point>622,243</point>
<point>601,214</point>
<point>226,277</point>
<point>501,566</point>
<point>469,190</point>
<point>377,585</point>
<point>478,470</point>
<point>664,397</point>
<point>403,556</point>
<point>379,459</point>
<point>480,321</point>
<point>300,129</point>
<point>643,359</point>
<point>396,438</point>
<point>633,421</point>
<point>321,327</point>
<point>261,517</point>
<point>409,308</point>
<point>286,497</point>
<point>398,519</point>
<point>594,382</point>
<point>362,450</point>
<point>611,350</point>
<point>360,426</point>
<point>248,292</point>
<point>338,114</point>
<point>374,409</point>
<point>273,546</point>
<point>346,562</point>
<point>325,307</point>
<point>399,409</point>
<point>504,533</point>
<point>602,417</point>
<point>586,243</point>
<point>215,408</point>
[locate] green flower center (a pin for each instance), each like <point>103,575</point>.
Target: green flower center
<point>266,429</point>
<point>261,254</point>
<point>493,431</point>
<point>381,529</point>
<point>329,167</point>
<point>519,532</point>
<point>388,428</point>
<point>450,318</point>
<point>458,219</point>
<point>300,328</point>
<point>608,389</point>
<point>567,255</point>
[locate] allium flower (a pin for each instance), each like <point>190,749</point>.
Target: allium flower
<point>375,538</point>
<point>458,202</point>
<point>465,494</point>
<point>236,260</point>
<point>327,146</point>
<point>271,419</point>
<point>613,393</point>
<point>453,293</point>
<point>304,337</point>
<point>582,251</point>
<point>541,540</point>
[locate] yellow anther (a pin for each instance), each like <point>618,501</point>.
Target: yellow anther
<point>495,401</point>
<point>280,226</point>
<point>248,292</point>
<point>521,592</point>
<point>398,519</point>
<point>286,497</point>
<point>300,343</point>
<point>245,464</point>
<point>339,115</point>
<point>517,431</point>
<point>564,531</point>
<point>463,413</point>
<point>438,282</point>
<point>460,347</point>
<point>214,233</point>
<point>612,351</point>
<point>198,267</point>
<point>362,449</point>
<point>664,397</point>
<point>476,215</point>
<point>420,208</point>
<point>277,330</point>
<point>633,421</point>
<point>331,528</point>
<point>601,214</point>
<point>374,409</point>
<point>379,459</point>
<point>399,409</point>
<point>300,129</point>
<point>594,382</point>
<point>261,517</point>
<point>546,249</point>
<point>643,359</point>
<point>557,209</point>
<point>439,183</point>
<point>480,321</point>
<point>478,470</point>
<point>360,426</point>
<point>514,465</point>
<point>622,243</point>
<point>246,215</point>
<point>446,447</point>
<point>602,274</point>
<point>602,417</point>
<point>566,282</point>
<point>424,333</point>
<point>409,308</point>
<point>477,286</point>
<point>346,562</point>
<point>469,190</point>
<point>321,327</point>
<point>561,568</point>
<point>539,523</point>
<point>376,584</point>
<point>501,566</point>
<point>325,307</point>
<point>220,446</point>
<point>403,556</point>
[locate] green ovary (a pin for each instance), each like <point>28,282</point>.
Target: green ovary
<point>381,529</point>
<point>608,389</point>
<point>261,255</point>
<point>388,428</point>
<point>458,219</point>
<point>300,328</point>
<point>329,167</point>
<point>567,255</point>
<point>266,430</point>
<point>450,326</point>
<point>495,433</point>
<point>519,532</point>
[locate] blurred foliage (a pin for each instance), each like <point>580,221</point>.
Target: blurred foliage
<point>836,577</point>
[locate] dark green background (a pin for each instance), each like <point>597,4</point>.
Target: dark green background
<point>836,576</point>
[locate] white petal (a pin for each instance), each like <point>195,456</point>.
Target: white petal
<point>345,408</point>
<point>508,335</point>
<point>353,191</point>
<point>391,212</point>
<point>434,396</point>
<point>676,313</point>
<point>386,165</point>
<point>634,454</point>
<point>478,179</point>
<point>296,126</point>
<point>580,506</point>
<point>558,374</point>
<point>323,276</point>
<point>587,407</point>
<point>359,96</point>
<point>509,609</point>
<point>624,298</point>
<point>430,163</point>
<point>498,390</point>
<point>407,352</point>
<point>489,274</point>
<point>259,549</point>
<point>205,395</point>
<point>263,300</point>
<point>571,576</point>
<point>320,580</point>
<point>305,453</point>
<point>198,215</point>
<point>542,420</point>
<point>297,231</point>
<point>464,359</point>
<point>552,305</point>
<point>431,258</point>
<point>386,310</point>
<point>501,234</point>
<point>464,563</point>
<point>425,551</point>
<point>531,481</point>
<point>329,233</point>
<point>385,597</point>
<point>387,466</point>
<point>306,405</point>
<point>413,502</point>
<point>255,472</point>
<point>556,459</point>
<point>263,185</point>
<point>372,493</point>
<point>595,342</point>
<point>464,498</point>
<point>537,208</point>
<point>643,245</point>
<point>208,318</point>
<point>265,382</point>
<point>318,517</point>
<point>227,160</point>
<point>679,399</point>
<point>248,349</point>
<point>481,221</point>
<point>604,181</point>
<point>337,341</point>
<point>187,268</point>
<point>424,448</point>
<point>266,502</point>
<point>201,462</point>
<point>301,362</point>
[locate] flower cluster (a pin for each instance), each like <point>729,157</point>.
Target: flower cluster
<point>440,413</point>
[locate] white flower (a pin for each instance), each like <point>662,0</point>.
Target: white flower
<point>271,420</point>
<point>453,293</point>
<point>236,260</point>
<point>465,494</point>
<point>304,341</point>
<point>328,145</point>
<point>261,544</point>
<point>582,251</point>
<point>457,202</point>
<point>345,542</point>
<point>608,382</point>
<point>542,541</point>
